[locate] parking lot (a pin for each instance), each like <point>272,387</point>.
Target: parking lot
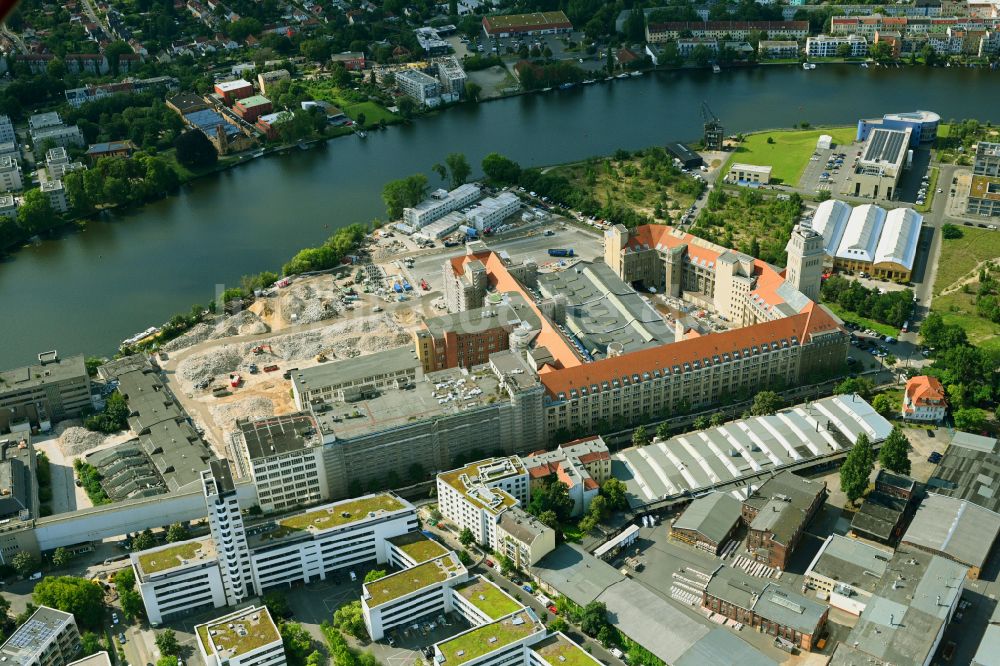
<point>824,172</point>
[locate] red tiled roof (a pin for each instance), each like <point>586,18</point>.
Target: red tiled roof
<point>596,455</point>
<point>590,484</point>
<point>679,353</point>
<point>925,390</point>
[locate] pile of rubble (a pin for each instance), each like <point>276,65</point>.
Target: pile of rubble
<point>253,408</point>
<point>74,440</point>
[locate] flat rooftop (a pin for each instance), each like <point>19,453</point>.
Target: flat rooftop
<point>401,583</point>
<point>418,546</point>
<point>511,311</point>
<point>343,373</point>
<point>238,633</point>
<point>603,310</point>
<point>330,516</point>
<point>969,469</point>
<point>700,461</point>
<point>886,146</point>
<point>985,187</point>
<point>472,481</point>
<point>851,561</point>
<point>487,638</point>
<point>959,529</point>
<point>276,435</point>
<point>182,553</point>
<point>253,100</point>
<point>536,20</point>
<point>438,394</point>
<point>34,375</point>
<point>558,650</point>
<point>488,598</point>
<point>23,647</point>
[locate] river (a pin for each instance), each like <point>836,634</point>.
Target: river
<point>87,291</point>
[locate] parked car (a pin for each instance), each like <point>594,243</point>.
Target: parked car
<point>934,457</point>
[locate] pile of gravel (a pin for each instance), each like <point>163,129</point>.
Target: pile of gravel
<point>254,407</point>
<point>199,333</point>
<point>75,441</point>
<point>374,343</point>
<point>214,362</point>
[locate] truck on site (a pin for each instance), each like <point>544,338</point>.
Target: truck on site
<point>561,252</point>
<point>424,285</point>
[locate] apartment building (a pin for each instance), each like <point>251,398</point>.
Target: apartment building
<point>8,206</point>
<point>439,204</point>
<point>452,76</point>
<point>10,174</point>
<point>793,619</point>
<point>924,399</point>
<point>421,88</point>
<point>7,134</point>
<point>490,212</point>
<point>401,598</point>
<point>984,196</point>
<point>284,457</point>
<point>523,538</point>
<point>48,638</point>
<point>828,46</point>
<point>583,465</point>
<point>736,30</point>
<point>777,514</point>
<point>229,535</point>
<point>56,193</point>
<point>987,159</point>
<point>39,395</point>
<point>57,164</point>
<point>248,637</point>
<point>59,135</point>
<point>778,48</point>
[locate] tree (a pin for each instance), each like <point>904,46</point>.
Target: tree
<point>860,385</point>
<point>360,120</point>
<point>416,473</point>
<point>177,532</point>
<point>144,540</point>
<point>316,50</point>
<point>765,402</point>
<point>277,605</point>
<point>593,618</point>
<point>501,169</point>
<point>403,193</point>
<point>441,171</point>
<point>970,419</point>
<point>881,51</point>
<point>558,624</point>
<point>473,90</point>
<point>90,643</point>
<point>79,596</point>
<point>549,518</point>
<point>466,537</point>
<point>167,660</point>
<point>893,455</point>
<point>406,107</point>
<point>61,557</point>
<point>375,574</point>
<point>856,469</point>
<point>639,436</point>
<point>36,214</point>
<point>350,620</point>
<point>194,150</point>
<point>131,603</point>
<point>297,642</point>
<point>701,422</point>
<point>124,579</point>
<point>843,50</point>
<point>166,642</point>
<point>663,431</point>
<point>552,495</point>
<point>459,168</point>
<point>24,563</point>
<point>718,418</point>
<point>884,404</point>
<point>506,565</point>
<point>951,232</point>
<point>615,493</point>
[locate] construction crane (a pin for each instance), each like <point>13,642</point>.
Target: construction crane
<point>714,133</point>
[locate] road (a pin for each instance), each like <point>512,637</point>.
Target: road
<point>16,38</point>
<point>88,7</point>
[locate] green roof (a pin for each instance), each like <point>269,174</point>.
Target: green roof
<point>238,633</point>
<point>558,650</point>
<point>488,598</point>
<point>253,100</point>
<point>161,559</point>
<point>488,638</point>
<point>399,584</point>
<point>336,515</point>
<point>418,546</point>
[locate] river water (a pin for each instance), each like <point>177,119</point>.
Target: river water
<point>89,290</point>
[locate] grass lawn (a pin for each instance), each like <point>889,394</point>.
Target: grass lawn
<point>960,256</point>
<point>571,532</point>
<point>323,89</point>
<point>790,152</point>
<point>960,259</point>
<point>373,112</point>
<point>925,207</point>
<point>864,322</point>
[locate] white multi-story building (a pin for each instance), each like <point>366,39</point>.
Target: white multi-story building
<point>48,638</point>
<point>486,497</point>
<point>440,203</point>
<point>248,637</point>
<point>492,211</point>
<point>284,457</point>
<point>8,207</point>
<point>7,130</point>
<point>57,164</point>
<point>422,88</point>
<point>504,642</point>
<point>60,135</point>
<point>10,174</point>
<point>401,598</point>
<point>826,46</point>
<point>331,539</point>
<point>44,120</point>
<point>225,522</point>
<point>452,76</point>
<point>178,579</point>
<point>56,193</point>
